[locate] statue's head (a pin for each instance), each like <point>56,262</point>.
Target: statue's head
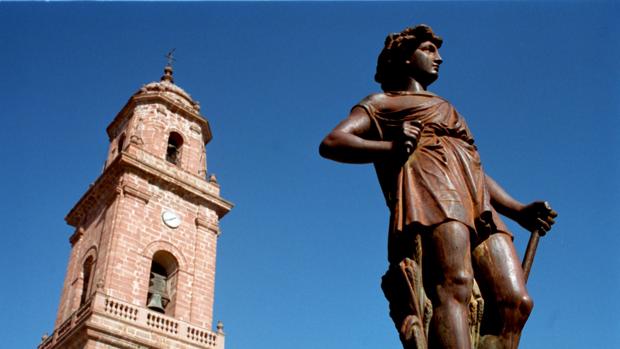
<point>412,53</point>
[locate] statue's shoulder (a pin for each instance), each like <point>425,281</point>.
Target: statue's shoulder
<point>380,101</point>
<point>373,99</point>
<point>388,102</point>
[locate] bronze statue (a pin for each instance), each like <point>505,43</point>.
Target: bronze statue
<point>444,209</point>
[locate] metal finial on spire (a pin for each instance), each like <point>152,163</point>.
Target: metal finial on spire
<point>170,57</point>
<point>168,69</point>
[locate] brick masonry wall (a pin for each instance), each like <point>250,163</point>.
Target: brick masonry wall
<point>151,125</point>
<point>140,232</point>
<point>89,241</point>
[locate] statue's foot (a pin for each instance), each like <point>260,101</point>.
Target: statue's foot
<point>490,342</point>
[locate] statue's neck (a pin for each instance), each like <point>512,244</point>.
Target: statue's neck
<point>409,85</point>
<point>414,86</point>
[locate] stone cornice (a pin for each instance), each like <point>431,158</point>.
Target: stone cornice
<point>79,232</point>
<point>156,168</point>
<point>159,97</point>
<point>151,167</point>
<point>95,195</point>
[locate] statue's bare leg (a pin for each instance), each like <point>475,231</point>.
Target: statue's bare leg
<point>507,303</point>
<point>449,281</point>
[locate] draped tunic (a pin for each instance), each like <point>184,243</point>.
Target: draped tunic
<point>442,179</point>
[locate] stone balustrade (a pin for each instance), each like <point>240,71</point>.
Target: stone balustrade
<point>156,324</point>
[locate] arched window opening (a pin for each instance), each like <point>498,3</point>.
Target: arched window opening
<point>87,280</point>
<point>163,283</point>
<point>121,143</point>
<point>173,151</point>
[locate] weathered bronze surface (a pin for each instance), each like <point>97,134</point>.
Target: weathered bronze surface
<point>158,297</point>
<point>454,279</point>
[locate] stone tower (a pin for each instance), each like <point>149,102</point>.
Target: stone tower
<point>142,266</point>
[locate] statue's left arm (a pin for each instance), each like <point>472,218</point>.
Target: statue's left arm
<point>535,216</point>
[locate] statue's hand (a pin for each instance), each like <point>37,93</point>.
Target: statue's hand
<point>537,216</point>
<point>411,132</point>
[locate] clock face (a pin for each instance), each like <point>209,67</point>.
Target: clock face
<point>171,219</point>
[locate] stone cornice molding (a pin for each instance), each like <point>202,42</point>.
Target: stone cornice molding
<point>195,187</point>
<point>150,167</point>
<point>73,239</point>
<point>97,193</point>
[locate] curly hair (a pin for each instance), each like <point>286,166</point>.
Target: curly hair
<point>397,49</point>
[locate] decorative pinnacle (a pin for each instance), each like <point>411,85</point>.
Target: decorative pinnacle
<point>213,179</point>
<point>220,327</point>
<point>168,69</point>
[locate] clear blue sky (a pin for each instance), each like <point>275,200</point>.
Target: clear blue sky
<point>302,253</point>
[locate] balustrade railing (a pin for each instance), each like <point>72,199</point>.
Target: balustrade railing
<point>139,317</point>
<point>121,310</point>
<point>162,323</point>
<point>201,336</point>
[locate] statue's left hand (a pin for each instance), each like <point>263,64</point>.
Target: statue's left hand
<point>537,216</point>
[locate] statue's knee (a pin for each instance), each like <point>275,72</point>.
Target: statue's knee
<point>518,302</point>
<point>457,286</point>
<point>526,305</point>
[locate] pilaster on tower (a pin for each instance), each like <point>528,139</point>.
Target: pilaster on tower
<point>142,265</point>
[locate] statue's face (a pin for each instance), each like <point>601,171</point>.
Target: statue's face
<point>425,63</point>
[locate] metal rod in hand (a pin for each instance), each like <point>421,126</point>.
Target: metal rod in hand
<point>530,252</point>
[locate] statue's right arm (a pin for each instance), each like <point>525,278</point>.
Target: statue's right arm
<point>350,141</point>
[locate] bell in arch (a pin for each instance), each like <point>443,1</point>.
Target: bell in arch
<point>158,296</point>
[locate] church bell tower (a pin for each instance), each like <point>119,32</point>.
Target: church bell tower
<point>141,272</point>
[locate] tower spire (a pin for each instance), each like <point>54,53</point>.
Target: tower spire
<point>168,68</point>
